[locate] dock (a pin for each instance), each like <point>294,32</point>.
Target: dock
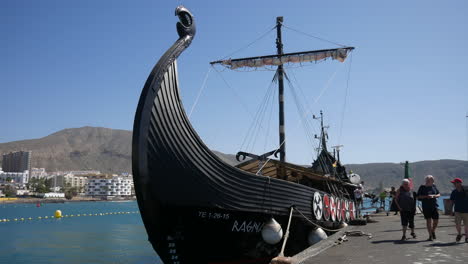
<point>385,245</point>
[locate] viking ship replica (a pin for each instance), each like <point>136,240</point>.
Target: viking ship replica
<point>197,208</point>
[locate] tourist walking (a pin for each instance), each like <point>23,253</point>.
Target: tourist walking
<point>358,193</point>
<point>393,206</point>
<point>406,204</point>
<point>383,196</point>
<point>428,194</point>
<point>459,197</point>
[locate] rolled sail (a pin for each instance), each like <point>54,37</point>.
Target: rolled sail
<point>275,60</point>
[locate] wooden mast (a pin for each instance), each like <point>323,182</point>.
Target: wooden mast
<point>280,72</point>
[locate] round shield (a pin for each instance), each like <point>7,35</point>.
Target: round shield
<point>317,205</point>
<point>326,207</point>
<point>338,209</point>
<point>351,210</point>
<point>347,210</point>
<point>332,208</point>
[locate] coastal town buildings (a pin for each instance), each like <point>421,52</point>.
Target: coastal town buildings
<point>20,178</point>
<point>18,161</point>
<point>70,180</point>
<point>114,186</point>
<point>38,173</point>
<point>16,167</point>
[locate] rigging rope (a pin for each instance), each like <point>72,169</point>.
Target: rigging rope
<point>251,43</point>
<point>315,37</point>
<point>300,120</point>
<point>346,98</point>
<point>200,92</point>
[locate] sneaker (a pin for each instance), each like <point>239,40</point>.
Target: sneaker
<point>403,238</point>
<point>433,235</point>
<point>458,238</point>
<point>466,240</point>
<point>430,239</point>
<point>413,235</point>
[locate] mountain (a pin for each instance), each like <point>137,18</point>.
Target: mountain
<point>391,174</point>
<point>109,151</point>
<point>85,148</point>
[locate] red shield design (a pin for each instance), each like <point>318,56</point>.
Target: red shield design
<point>326,207</point>
<point>338,209</point>
<point>332,208</point>
<point>351,210</point>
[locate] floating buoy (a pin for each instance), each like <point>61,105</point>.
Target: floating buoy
<point>29,218</point>
<point>78,215</point>
<point>272,232</point>
<point>58,214</point>
<point>15,219</point>
<point>22,219</point>
<point>316,236</point>
<point>39,217</point>
<point>46,217</point>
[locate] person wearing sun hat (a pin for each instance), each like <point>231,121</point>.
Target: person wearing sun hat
<point>459,198</point>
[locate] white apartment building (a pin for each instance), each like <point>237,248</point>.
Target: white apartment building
<point>115,186</point>
<point>20,178</point>
<point>38,173</point>
<point>69,179</point>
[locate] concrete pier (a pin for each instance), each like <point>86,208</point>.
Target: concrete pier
<point>385,245</point>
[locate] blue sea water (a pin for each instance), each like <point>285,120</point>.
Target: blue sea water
<point>97,239</point>
<point>372,207</point>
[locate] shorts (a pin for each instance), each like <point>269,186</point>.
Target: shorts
<point>407,218</point>
<point>431,213</point>
<point>461,216</point>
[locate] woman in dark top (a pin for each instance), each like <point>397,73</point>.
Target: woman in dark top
<point>406,204</point>
<point>428,195</point>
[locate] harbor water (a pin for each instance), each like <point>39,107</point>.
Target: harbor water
<point>371,207</point>
<point>114,233</point>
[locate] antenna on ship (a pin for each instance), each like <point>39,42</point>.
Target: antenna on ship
<point>337,148</point>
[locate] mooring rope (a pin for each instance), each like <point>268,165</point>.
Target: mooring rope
<point>317,225</point>
<point>286,235</point>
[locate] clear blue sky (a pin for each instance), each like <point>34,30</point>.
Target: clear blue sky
<point>80,63</point>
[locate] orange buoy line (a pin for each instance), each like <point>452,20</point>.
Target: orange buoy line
<point>58,215</point>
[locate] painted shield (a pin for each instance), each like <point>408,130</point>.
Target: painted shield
<point>317,205</point>
<point>347,210</point>
<point>338,209</point>
<point>326,207</point>
<point>332,208</point>
<point>351,210</point>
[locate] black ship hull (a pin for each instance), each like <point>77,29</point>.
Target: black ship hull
<point>195,207</point>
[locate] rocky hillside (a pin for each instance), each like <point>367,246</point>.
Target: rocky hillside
<point>109,150</point>
<point>391,174</point>
<point>85,148</point>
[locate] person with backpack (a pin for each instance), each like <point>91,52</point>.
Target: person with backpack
<point>459,198</point>
<point>428,194</point>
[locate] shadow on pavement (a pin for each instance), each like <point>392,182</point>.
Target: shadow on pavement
<point>446,244</point>
<point>396,241</point>
<point>418,228</point>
